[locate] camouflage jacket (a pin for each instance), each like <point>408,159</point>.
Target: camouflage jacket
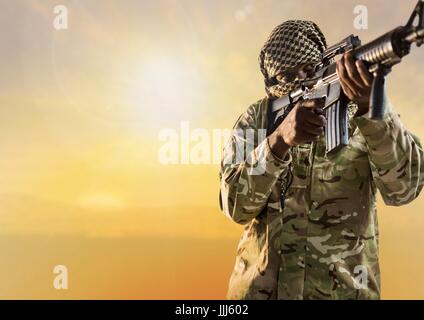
<point>322,243</point>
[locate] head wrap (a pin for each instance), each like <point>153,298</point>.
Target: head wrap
<point>290,44</point>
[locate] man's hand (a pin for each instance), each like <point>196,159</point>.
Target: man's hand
<point>356,81</point>
<point>304,123</point>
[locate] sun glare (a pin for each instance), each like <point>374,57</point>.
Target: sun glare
<point>168,89</point>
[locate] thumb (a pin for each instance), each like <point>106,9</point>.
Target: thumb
<point>314,103</point>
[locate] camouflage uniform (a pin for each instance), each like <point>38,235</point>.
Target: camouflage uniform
<point>324,243</point>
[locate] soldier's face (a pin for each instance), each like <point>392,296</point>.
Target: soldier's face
<point>299,72</point>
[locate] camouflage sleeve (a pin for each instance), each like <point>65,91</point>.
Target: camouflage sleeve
<point>249,170</point>
<point>396,157</point>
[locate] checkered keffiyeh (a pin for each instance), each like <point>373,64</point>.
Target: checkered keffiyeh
<point>290,44</point>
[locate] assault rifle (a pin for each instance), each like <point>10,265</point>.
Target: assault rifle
<point>378,55</point>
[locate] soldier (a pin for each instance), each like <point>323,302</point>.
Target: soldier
<point>310,219</point>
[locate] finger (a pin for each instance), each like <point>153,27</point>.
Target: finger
<point>316,120</point>
<point>343,84</point>
<point>312,129</point>
<point>313,116</point>
<point>353,72</point>
<point>314,103</point>
<point>344,77</point>
<point>319,111</point>
<point>366,76</point>
<point>347,90</point>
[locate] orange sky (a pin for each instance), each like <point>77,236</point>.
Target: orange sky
<point>81,113</point>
